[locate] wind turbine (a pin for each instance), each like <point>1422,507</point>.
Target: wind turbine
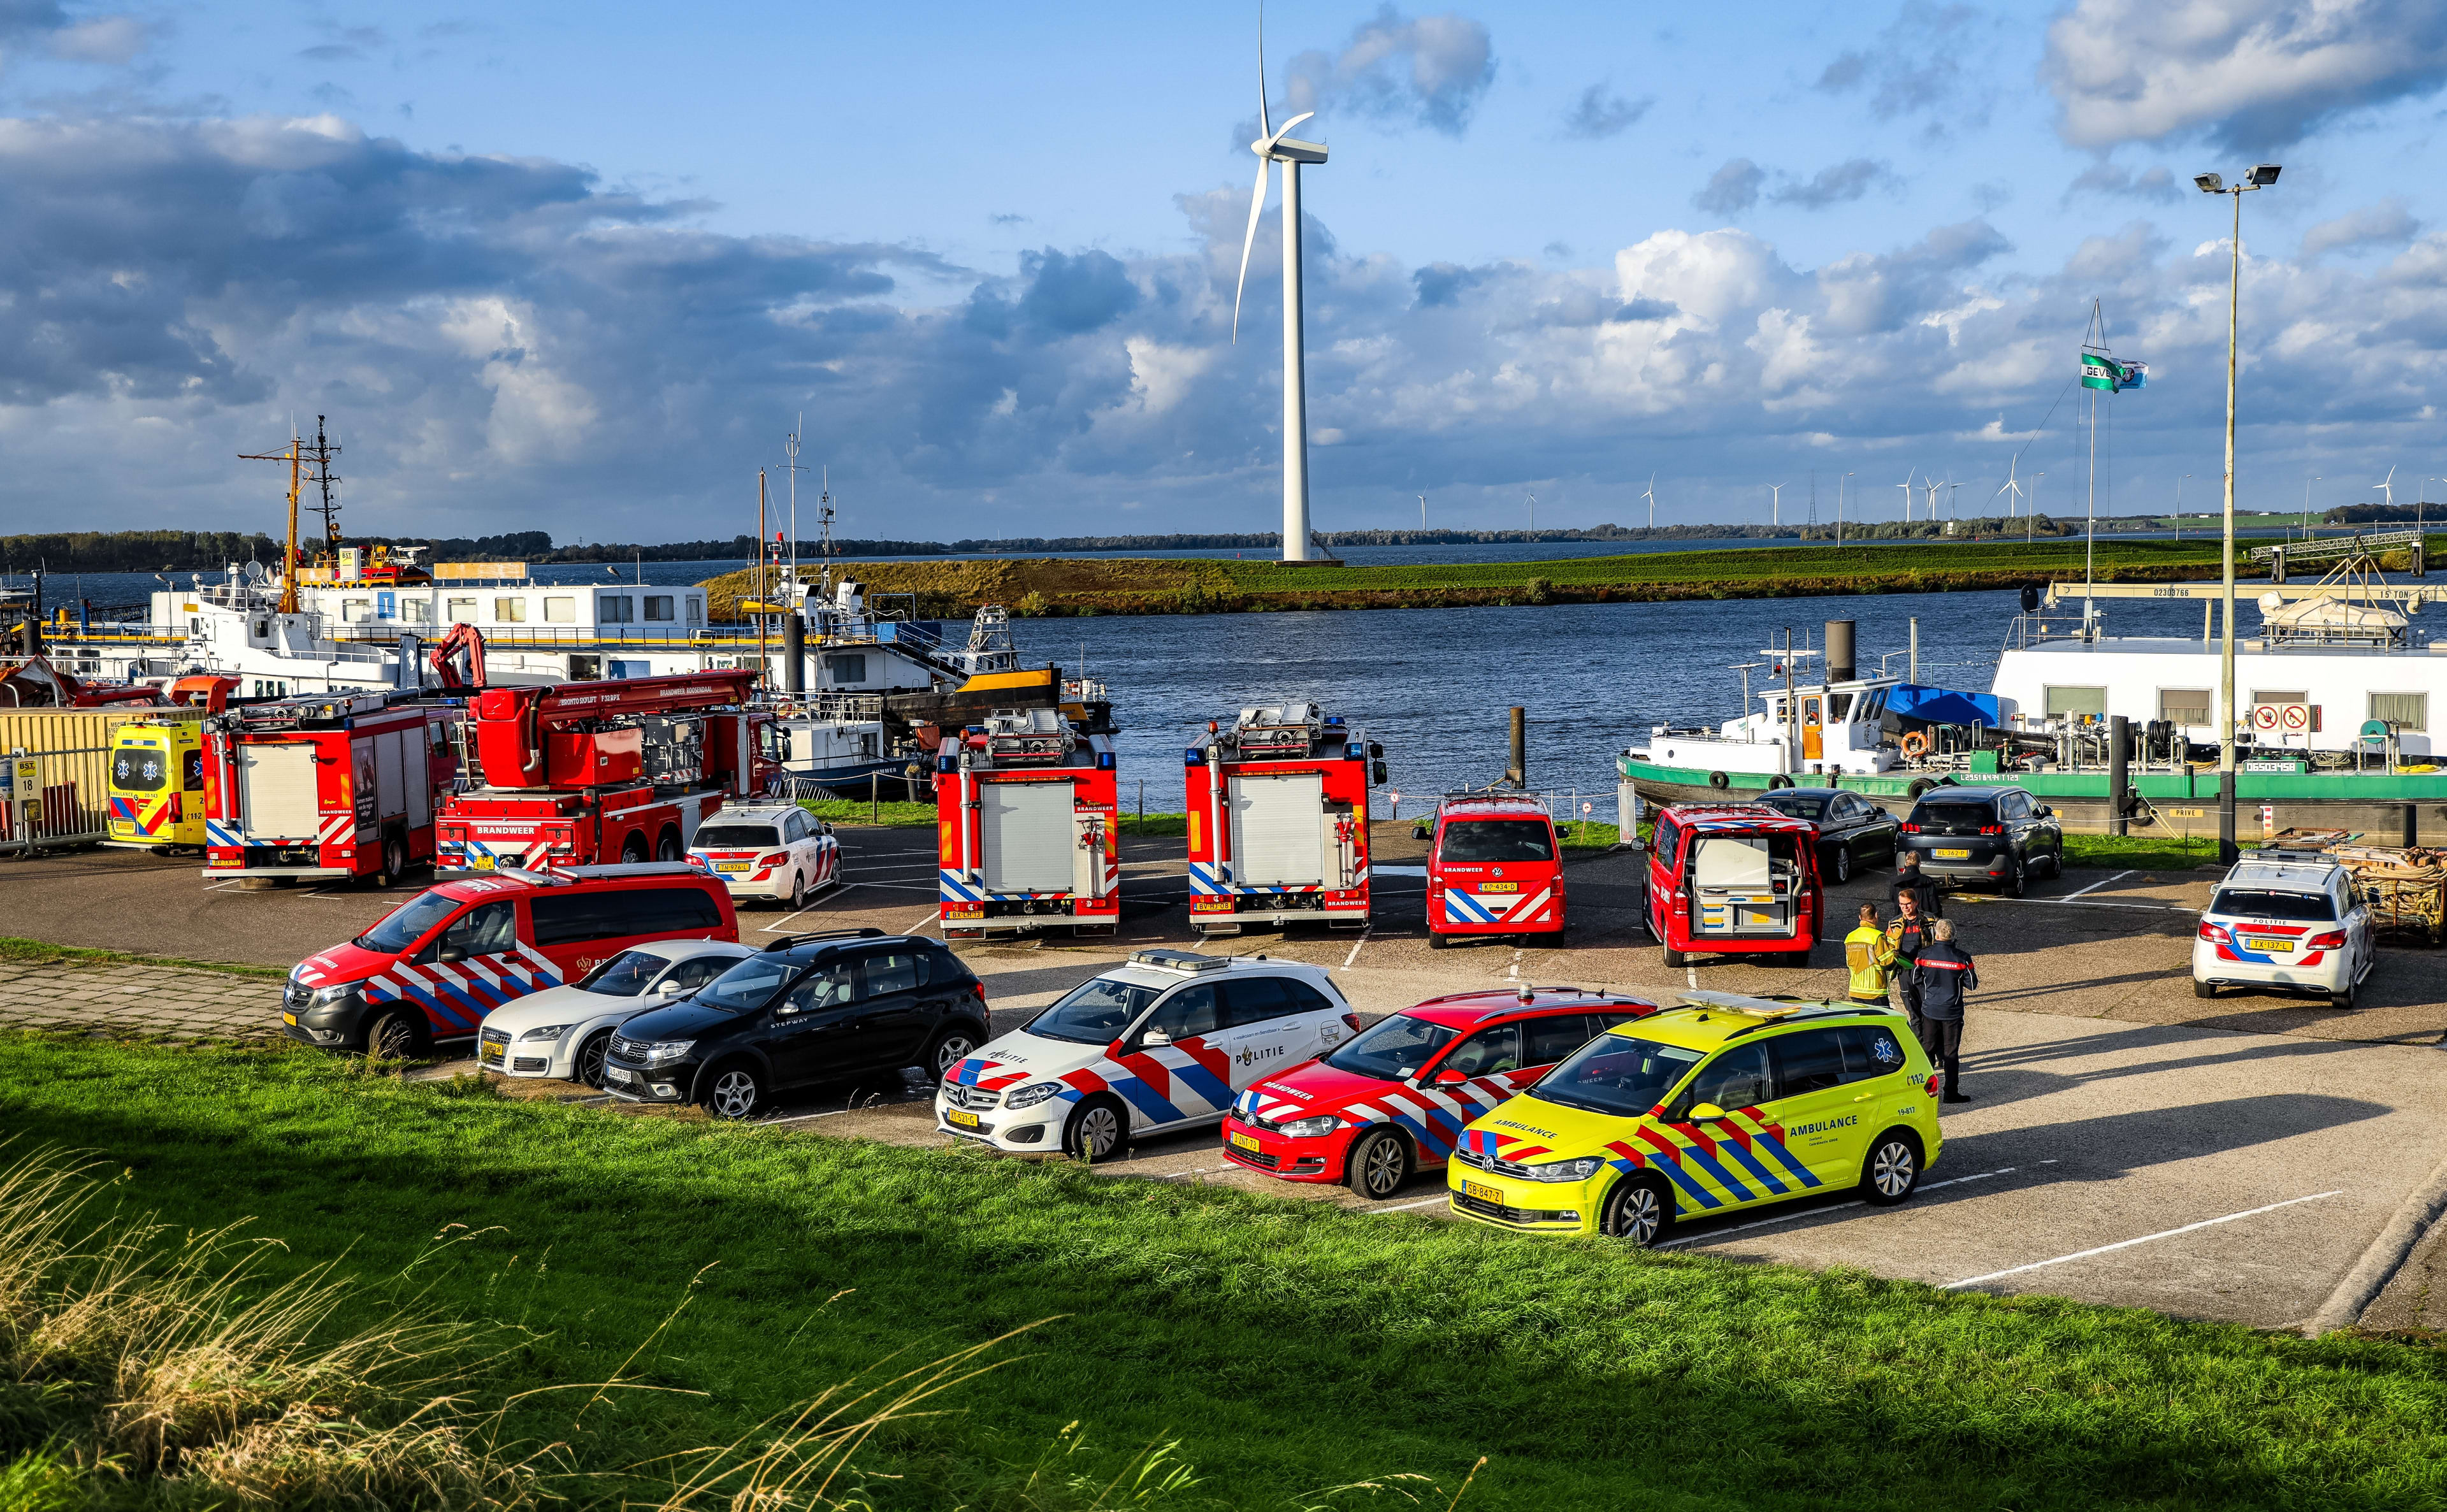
<point>1906,486</point>
<point>1272,147</point>
<point>1651,496</point>
<point>2013,484</point>
<point>1929,485</point>
<point>2386,489</point>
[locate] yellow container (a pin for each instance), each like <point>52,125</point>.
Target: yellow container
<point>156,782</point>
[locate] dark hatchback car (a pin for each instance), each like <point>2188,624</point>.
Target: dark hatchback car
<point>1852,832</point>
<point>810,1008</point>
<point>1996,834</point>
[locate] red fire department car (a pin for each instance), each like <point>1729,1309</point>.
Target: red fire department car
<point>1495,868</point>
<point>1733,879</point>
<point>1392,1100</point>
<point>1279,820</point>
<point>1029,820</point>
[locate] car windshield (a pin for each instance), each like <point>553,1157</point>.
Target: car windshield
<point>407,923</point>
<point>2265,903</point>
<point>747,986</point>
<point>1496,840</point>
<point>1093,1013</point>
<point>1812,807</point>
<point>736,837</point>
<point>624,975</point>
<point>1616,1073</point>
<point>1393,1047</point>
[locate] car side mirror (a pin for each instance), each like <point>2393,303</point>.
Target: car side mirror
<point>1450,1077</point>
<point>2045,812</point>
<point>448,953</point>
<point>1704,1110</point>
<point>1155,1036</point>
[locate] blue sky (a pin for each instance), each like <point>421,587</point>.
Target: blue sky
<point>579,269</point>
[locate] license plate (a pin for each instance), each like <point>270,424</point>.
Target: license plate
<point>1247,1142</point>
<point>2265,945</point>
<point>730,866</point>
<point>613,1073</point>
<point>289,1019</point>
<point>965,910</point>
<point>1952,854</point>
<point>959,1119</point>
<point>1485,1194</point>
<point>484,863</point>
<point>1499,887</point>
<point>490,1053</point>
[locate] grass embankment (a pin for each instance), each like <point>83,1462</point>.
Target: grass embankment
<point>42,953</point>
<point>1288,1347</point>
<point>1125,585</point>
<point>2145,853</point>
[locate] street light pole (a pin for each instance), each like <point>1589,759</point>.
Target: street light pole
<point>2260,176</point>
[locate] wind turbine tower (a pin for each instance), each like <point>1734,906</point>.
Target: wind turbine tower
<point>1651,496</point>
<point>1272,147</point>
<point>1906,486</point>
<point>1776,505</point>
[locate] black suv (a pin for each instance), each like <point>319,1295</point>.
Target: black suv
<point>809,1008</point>
<point>1985,835</point>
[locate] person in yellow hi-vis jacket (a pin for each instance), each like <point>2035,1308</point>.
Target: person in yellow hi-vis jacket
<point>1869,956</point>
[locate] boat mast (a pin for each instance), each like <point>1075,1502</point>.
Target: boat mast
<point>289,554</point>
<point>324,451</point>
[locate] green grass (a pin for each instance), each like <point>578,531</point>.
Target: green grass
<point>42,952</point>
<point>2161,853</point>
<point>1289,1346</point>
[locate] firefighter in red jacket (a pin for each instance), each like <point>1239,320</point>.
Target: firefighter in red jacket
<point>1944,975</point>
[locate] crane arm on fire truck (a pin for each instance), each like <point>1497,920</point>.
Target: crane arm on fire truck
<point>467,640</point>
<point>513,728</point>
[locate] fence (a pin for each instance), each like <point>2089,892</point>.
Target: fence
<point>75,808</point>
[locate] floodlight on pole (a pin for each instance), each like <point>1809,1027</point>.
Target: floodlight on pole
<point>2260,177</point>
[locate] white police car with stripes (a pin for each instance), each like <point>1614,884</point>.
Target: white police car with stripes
<point>1161,1044</point>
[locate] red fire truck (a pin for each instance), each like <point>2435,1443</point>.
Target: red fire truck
<point>1279,820</point>
<point>580,773</point>
<point>326,786</point>
<point>1029,815</point>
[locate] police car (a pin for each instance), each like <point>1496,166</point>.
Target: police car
<point>1724,1104</point>
<point>1161,1044</point>
<point>2292,922</point>
<point>777,852</point>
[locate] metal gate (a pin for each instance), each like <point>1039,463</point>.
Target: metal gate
<point>1279,830</point>
<point>1024,836</point>
<point>74,786</point>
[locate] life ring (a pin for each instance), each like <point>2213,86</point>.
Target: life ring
<point>1915,744</point>
<point>1719,780</point>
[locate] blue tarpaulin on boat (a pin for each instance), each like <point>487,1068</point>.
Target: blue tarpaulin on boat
<point>1941,706</point>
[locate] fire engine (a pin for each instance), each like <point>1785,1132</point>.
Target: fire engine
<point>1029,815</point>
<point>1279,820</point>
<point>624,770</point>
<point>326,785</point>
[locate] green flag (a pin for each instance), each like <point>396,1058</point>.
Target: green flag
<point>2099,370</point>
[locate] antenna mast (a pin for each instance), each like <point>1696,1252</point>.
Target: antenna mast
<point>825,502</point>
<point>289,554</point>
<point>329,508</point>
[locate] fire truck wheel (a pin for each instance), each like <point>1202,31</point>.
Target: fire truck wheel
<point>1098,1129</point>
<point>395,863</point>
<point>634,849</point>
<point>1377,1165</point>
<point>1669,955</point>
<point>735,1092</point>
<point>391,1037</point>
<point>667,845</point>
<point>1439,942</point>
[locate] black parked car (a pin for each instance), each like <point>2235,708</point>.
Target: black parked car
<point>809,1008</point>
<point>1852,832</point>
<point>1995,834</point>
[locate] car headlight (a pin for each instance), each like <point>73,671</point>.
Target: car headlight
<point>549,1031</point>
<point>1309,1128</point>
<point>1033,1093</point>
<point>326,996</point>
<point>662,1052</point>
<point>1579,1170</point>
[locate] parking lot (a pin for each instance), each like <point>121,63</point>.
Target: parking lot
<point>2128,1143</point>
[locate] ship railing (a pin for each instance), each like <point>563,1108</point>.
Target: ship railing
<point>833,707</point>
<point>2026,630</point>
<point>118,633</point>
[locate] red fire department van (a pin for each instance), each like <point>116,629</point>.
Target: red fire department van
<point>1279,820</point>
<point>1029,817</point>
<point>327,786</point>
<point>1733,879</point>
<point>1495,868</point>
<point>433,967</point>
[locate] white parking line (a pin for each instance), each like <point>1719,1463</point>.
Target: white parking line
<point>2093,887</point>
<point>1354,950</point>
<point>1815,1212</point>
<point>2125,1244</point>
<point>1404,1207</point>
<point>831,892</point>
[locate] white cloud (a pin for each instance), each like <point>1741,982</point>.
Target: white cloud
<point>2250,74</point>
<point>2386,223</point>
<point>1433,70</point>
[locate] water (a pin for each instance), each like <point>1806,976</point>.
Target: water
<point>1434,686</point>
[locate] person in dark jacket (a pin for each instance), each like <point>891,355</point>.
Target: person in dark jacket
<point>1944,973</point>
<point>1909,877</point>
<point>1906,937</point>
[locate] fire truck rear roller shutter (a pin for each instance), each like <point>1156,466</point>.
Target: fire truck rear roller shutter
<point>1276,838</point>
<point>1025,836</point>
<point>277,789</point>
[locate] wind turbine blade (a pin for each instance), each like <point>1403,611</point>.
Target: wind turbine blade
<point>1257,208</point>
<point>1284,129</point>
<point>1264,129</point>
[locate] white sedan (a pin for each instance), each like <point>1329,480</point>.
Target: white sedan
<point>563,1031</point>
